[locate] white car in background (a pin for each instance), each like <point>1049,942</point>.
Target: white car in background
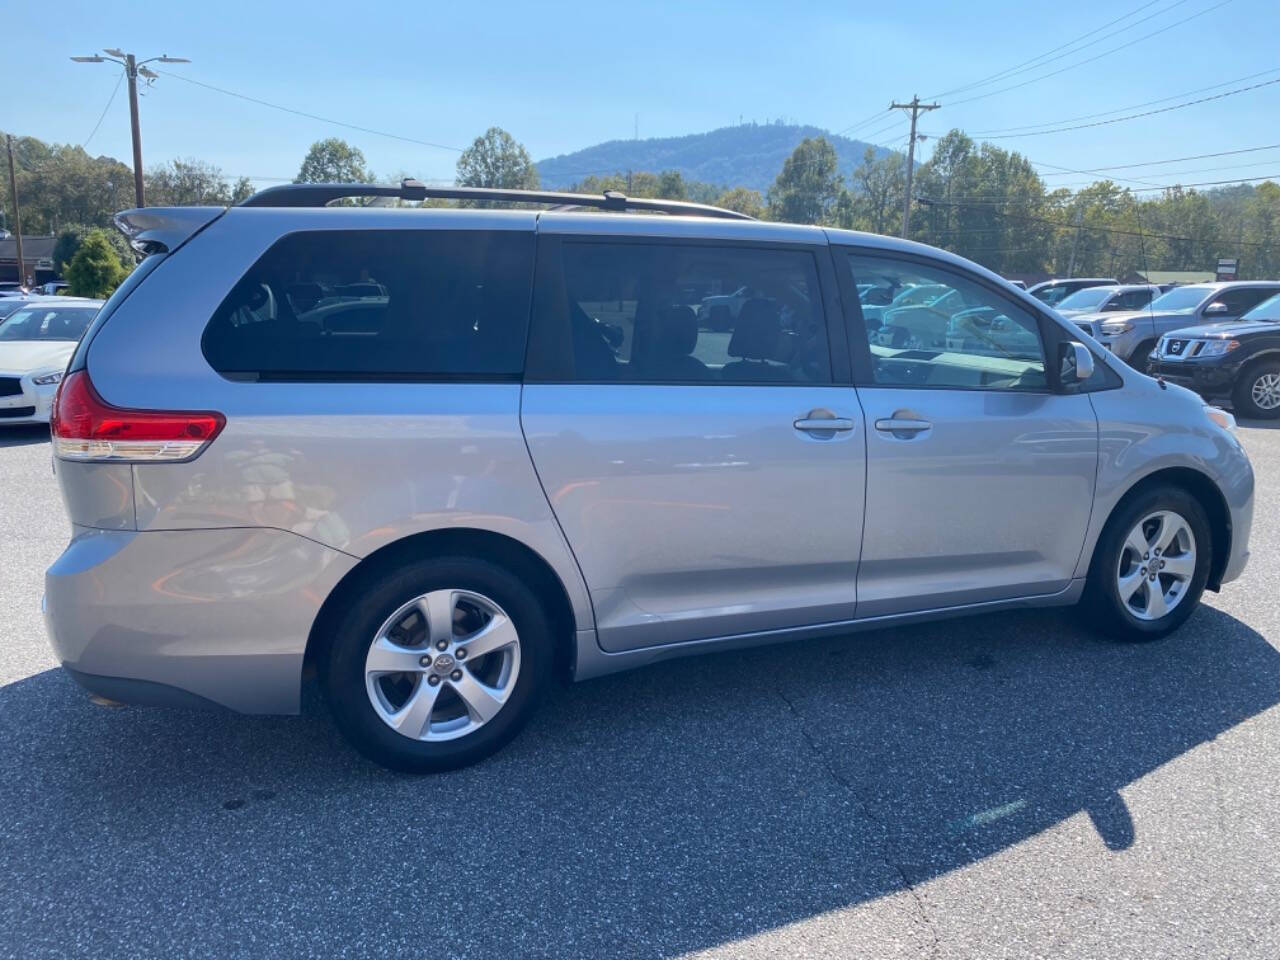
<point>36,342</point>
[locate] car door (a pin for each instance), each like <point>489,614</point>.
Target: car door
<point>708,480</point>
<point>980,474</point>
<point>1235,303</point>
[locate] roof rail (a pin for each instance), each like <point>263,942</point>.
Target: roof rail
<point>320,194</point>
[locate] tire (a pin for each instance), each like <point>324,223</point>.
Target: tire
<point>1115,557</point>
<point>1254,377</point>
<point>462,705</point>
<point>1140,359</point>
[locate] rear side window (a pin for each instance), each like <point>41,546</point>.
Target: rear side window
<point>688,314</point>
<point>378,304</point>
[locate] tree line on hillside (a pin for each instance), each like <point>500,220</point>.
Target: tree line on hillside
<point>974,199</point>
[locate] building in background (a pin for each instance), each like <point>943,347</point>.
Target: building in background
<point>37,255</point>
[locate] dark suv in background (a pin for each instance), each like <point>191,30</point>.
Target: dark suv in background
<point>1237,361</point>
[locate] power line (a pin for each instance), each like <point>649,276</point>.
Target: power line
<point>1039,61</point>
<point>1135,116</point>
<point>994,199</point>
<point>110,100</point>
<point>1074,226</point>
<point>1153,163</point>
<point>1133,106</point>
<point>313,116</point>
<point>1105,53</point>
<point>1172,173</point>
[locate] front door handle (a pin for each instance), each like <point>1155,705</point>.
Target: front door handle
<point>903,428</point>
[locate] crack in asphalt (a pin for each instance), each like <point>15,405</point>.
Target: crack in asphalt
<point>834,773</point>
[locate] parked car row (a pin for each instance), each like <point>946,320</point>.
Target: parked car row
<point>1220,339</point>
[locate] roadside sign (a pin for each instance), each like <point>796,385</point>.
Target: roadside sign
<point>1228,268</point>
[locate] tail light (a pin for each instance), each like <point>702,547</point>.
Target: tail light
<point>86,427</point>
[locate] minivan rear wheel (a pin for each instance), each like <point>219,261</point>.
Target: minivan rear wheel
<point>437,665</point>
<point>1150,565</point>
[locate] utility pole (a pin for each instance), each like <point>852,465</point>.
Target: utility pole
<point>131,72</point>
<point>132,69</point>
<point>916,108</point>
<point>17,214</point>
<point>1075,245</point>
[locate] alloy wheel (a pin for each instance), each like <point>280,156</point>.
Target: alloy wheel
<point>443,665</point>
<point>1265,391</point>
<point>1157,564</point>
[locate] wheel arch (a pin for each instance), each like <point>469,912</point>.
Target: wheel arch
<point>1200,486</point>
<point>466,541</point>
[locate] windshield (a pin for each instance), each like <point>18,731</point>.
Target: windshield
<point>1086,299</point>
<point>10,305</point>
<point>1180,300</point>
<point>1268,310</point>
<point>47,323</point>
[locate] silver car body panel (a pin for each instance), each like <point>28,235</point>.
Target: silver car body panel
<point>701,518</point>
<point>702,511</point>
<point>990,502</point>
<point>222,614</point>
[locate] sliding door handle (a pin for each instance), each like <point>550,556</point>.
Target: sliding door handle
<point>820,424</point>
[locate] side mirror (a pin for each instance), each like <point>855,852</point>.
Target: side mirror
<point>1217,309</point>
<point>1075,362</point>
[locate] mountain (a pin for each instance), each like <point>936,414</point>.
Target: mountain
<point>747,155</point>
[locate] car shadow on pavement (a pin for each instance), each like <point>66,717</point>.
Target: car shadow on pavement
<point>684,806</point>
<point>24,435</point>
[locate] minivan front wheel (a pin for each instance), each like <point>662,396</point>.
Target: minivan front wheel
<point>438,665</point>
<point>1150,566</point>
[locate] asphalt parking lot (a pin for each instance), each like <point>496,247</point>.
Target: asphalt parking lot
<point>1004,786</point>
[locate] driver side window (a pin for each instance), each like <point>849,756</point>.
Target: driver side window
<point>932,327</point>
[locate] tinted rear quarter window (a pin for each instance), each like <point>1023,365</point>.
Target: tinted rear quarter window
<point>378,304</point>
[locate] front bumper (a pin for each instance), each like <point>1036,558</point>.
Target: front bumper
<point>32,405</point>
<point>1212,380</point>
<point>187,617</point>
<point>1122,345</point>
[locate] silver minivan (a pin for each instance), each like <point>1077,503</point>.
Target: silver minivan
<point>439,457</point>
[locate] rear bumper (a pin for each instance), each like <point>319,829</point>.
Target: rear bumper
<point>190,617</point>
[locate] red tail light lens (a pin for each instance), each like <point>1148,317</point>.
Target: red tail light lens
<point>86,427</point>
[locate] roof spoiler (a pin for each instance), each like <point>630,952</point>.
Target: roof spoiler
<point>164,229</point>
<point>320,194</point>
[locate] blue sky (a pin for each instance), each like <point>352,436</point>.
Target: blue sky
<point>561,76</point>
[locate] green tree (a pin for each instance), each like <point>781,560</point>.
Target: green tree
<point>808,187</point>
<point>742,200</point>
<point>191,182</point>
<point>70,238</point>
<point>671,185</point>
<point>495,159</point>
<point>333,161</point>
<point>878,183</point>
<point>95,270</point>
<point>62,185</point>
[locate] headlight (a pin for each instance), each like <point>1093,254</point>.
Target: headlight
<point>47,379</point>
<point>1217,348</point>
<point>1114,328</point>
<point>1219,416</point>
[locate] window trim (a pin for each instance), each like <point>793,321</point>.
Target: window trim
<point>1052,331</point>
<point>547,351</point>
<point>377,376</point>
